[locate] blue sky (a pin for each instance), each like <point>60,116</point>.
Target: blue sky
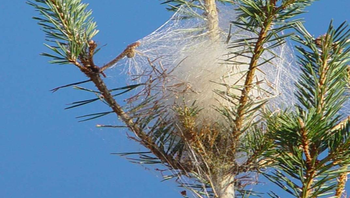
<point>44,150</point>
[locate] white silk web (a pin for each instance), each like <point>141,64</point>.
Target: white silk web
<point>191,66</point>
<point>179,64</point>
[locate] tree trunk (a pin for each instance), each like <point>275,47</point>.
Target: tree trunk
<point>213,19</point>
<point>225,186</point>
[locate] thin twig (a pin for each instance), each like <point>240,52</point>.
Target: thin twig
<point>342,179</point>
<point>129,52</point>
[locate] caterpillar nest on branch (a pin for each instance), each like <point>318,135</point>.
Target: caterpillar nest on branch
<point>181,65</point>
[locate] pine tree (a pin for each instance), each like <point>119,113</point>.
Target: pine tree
<point>311,139</point>
<point>218,148</point>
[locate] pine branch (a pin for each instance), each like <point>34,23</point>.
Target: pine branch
<point>259,18</point>
<point>146,140</point>
<point>205,152</point>
<point>68,27</point>
<point>258,49</point>
<point>325,67</point>
<point>340,155</point>
<point>342,179</point>
<point>312,141</point>
<point>72,32</point>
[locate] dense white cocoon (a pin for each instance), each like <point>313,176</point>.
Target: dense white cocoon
<point>184,65</point>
